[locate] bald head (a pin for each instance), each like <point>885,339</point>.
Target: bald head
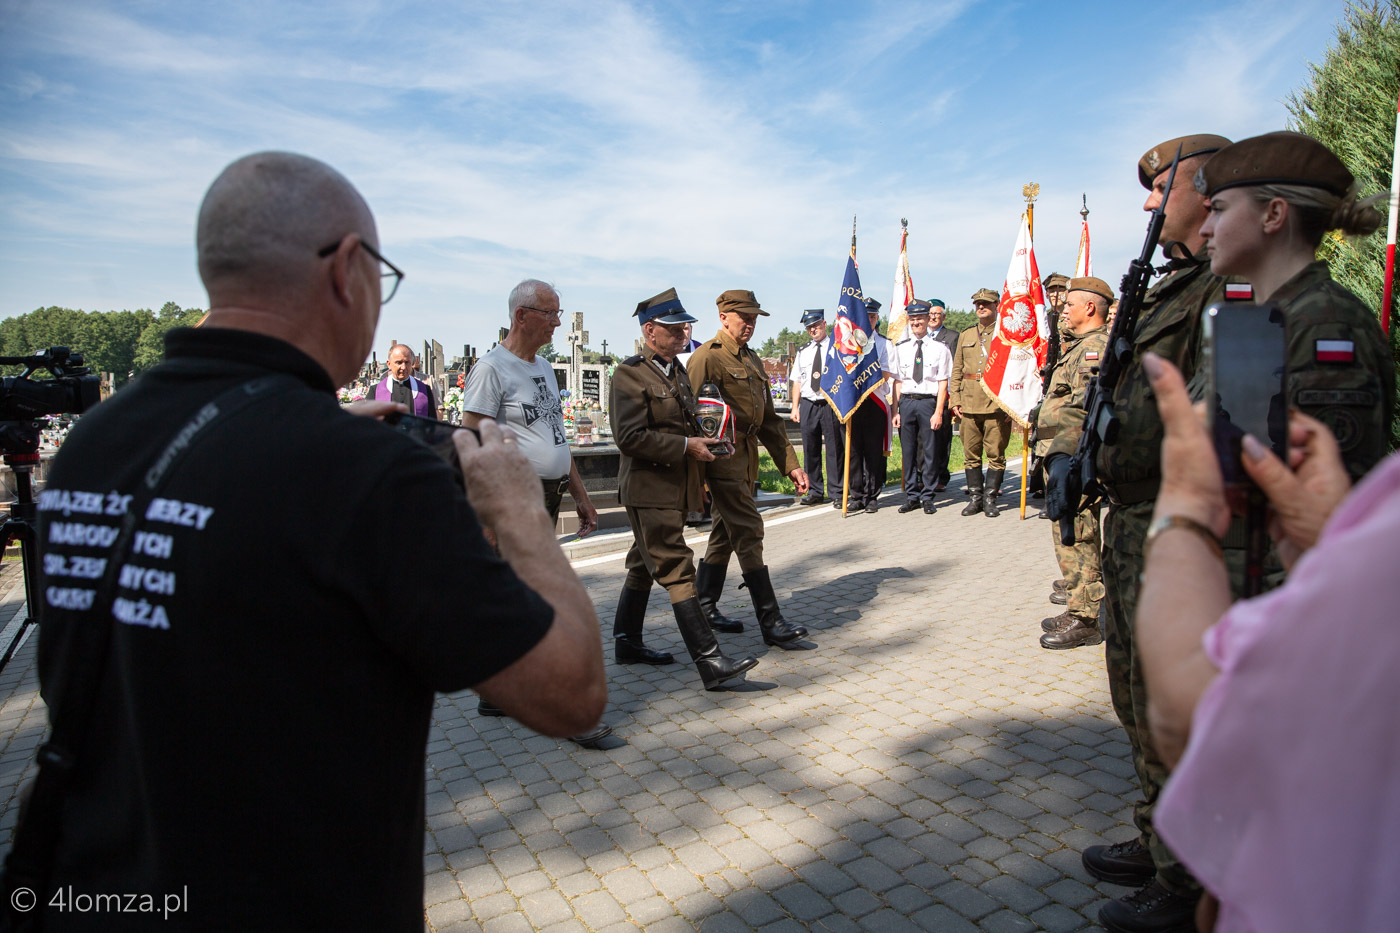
<point>264,219</point>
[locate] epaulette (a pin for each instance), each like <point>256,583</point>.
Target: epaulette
<point>904,341</point>
<point>633,360</point>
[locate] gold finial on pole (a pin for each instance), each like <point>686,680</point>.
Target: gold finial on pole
<point>1030,192</point>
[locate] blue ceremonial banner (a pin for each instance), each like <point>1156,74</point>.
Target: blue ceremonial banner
<point>851,370</point>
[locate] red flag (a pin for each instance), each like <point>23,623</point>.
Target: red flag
<point>1018,349</point>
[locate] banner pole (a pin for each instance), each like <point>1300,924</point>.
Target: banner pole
<point>1025,459</point>
<point>846,483</point>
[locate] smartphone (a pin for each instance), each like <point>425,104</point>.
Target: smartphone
<point>435,435</point>
<point>1245,351</point>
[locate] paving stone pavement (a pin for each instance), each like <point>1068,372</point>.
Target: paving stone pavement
<point>921,763</point>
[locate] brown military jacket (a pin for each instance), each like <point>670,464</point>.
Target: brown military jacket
<point>965,388</point>
<point>1354,397</point>
<point>738,372</point>
<point>1061,418</point>
<point>1170,326</point>
<point>652,415</point>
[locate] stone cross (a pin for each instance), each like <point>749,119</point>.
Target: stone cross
<point>577,338</point>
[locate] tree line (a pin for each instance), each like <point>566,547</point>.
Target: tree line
<point>123,343</point>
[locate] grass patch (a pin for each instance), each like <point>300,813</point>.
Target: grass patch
<point>772,481</point>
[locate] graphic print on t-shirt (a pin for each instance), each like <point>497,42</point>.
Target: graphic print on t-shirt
<point>546,406</point>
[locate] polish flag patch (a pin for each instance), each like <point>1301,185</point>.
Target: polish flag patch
<point>1335,351</point>
<point>1241,291</point>
<point>1091,355</point>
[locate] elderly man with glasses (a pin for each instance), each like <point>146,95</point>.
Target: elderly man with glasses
<point>402,386</point>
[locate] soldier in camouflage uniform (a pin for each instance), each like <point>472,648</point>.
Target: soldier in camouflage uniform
<point>1271,200</point>
<point>1059,424</point>
<point>1130,471</point>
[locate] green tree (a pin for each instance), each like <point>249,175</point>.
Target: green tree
<point>1348,104</point>
<point>959,320</point>
<point>775,347</point>
<point>150,346</point>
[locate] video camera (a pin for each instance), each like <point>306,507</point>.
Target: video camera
<point>72,391</point>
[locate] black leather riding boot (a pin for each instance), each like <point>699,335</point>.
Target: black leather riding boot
<point>775,630</point>
<point>627,631</point>
<point>989,498</point>
<point>974,486</point>
<point>709,586</point>
<point>713,666</point>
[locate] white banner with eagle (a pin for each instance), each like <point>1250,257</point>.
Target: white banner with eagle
<point>1011,375</point>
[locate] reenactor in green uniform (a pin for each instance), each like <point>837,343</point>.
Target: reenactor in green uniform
<point>1130,471</point>
<point>1058,425</point>
<point>657,432</point>
<point>1272,198</point>
<point>985,428</point>
<point>727,362</point>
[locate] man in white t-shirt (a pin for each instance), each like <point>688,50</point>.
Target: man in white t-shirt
<point>513,385</point>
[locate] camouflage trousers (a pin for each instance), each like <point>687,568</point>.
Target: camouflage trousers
<point>1124,529</point>
<point>1081,564</point>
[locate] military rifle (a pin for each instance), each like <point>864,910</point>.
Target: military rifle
<point>1073,486</point>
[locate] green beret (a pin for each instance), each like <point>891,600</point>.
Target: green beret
<point>736,299</point>
<point>937,303</point>
<point>1095,286</point>
<point>1159,158</point>
<point>986,294</point>
<point>1280,158</point>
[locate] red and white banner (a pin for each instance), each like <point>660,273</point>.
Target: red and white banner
<point>1083,265</point>
<point>903,291</point>
<point>1019,346</point>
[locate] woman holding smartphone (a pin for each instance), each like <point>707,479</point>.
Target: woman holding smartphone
<point>1272,198</point>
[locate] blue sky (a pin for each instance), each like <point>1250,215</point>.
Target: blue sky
<point>619,148</point>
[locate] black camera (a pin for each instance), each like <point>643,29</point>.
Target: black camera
<point>72,391</point>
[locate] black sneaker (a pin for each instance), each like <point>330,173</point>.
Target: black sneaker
<point>1128,863</point>
<point>1151,909</point>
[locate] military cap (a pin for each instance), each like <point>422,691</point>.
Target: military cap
<point>918,308</point>
<point>737,299</point>
<point>986,294</point>
<point>937,303</point>
<point>1281,158</point>
<point>812,316</point>
<point>1093,285</point>
<point>664,308</point>
<point>1056,278</point>
<point>1159,158</point>
<point>872,306</point>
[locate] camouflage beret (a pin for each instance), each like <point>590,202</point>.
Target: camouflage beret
<point>1280,158</point>
<point>1095,286</point>
<point>1159,158</point>
<point>1056,278</point>
<point>986,294</point>
<point>664,308</point>
<point>736,299</point>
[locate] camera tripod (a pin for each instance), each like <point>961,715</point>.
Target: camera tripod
<point>21,526</point>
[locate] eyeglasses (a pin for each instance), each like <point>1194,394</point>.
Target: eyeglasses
<point>386,288</point>
<point>557,312</point>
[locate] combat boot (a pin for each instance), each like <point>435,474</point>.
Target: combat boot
<point>1059,594</point>
<point>709,586</point>
<point>715,669</point>
<point>1071,632</point>
<point>776,631</point>
<point>989,498</point>
<point>974,489</point>
<point>1151,909</point>
<point>627,631</point>
<point>1127,863</point>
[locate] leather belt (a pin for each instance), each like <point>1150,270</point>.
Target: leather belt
<point>557,486</point>
<point>1132,493</point>
<point>816,401</point>
<point>972,375</point>
<point>916,395</point>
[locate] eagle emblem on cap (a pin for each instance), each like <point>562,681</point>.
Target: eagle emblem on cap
<point>1154,161</point>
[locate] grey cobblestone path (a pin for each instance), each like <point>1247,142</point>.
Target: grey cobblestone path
<point>922,765</point>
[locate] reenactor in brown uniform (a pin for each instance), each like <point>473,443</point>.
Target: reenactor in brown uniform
<point>1059,424</point>
<point>727,362</point>
<point>657,432</point>
<point>985,428</point>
